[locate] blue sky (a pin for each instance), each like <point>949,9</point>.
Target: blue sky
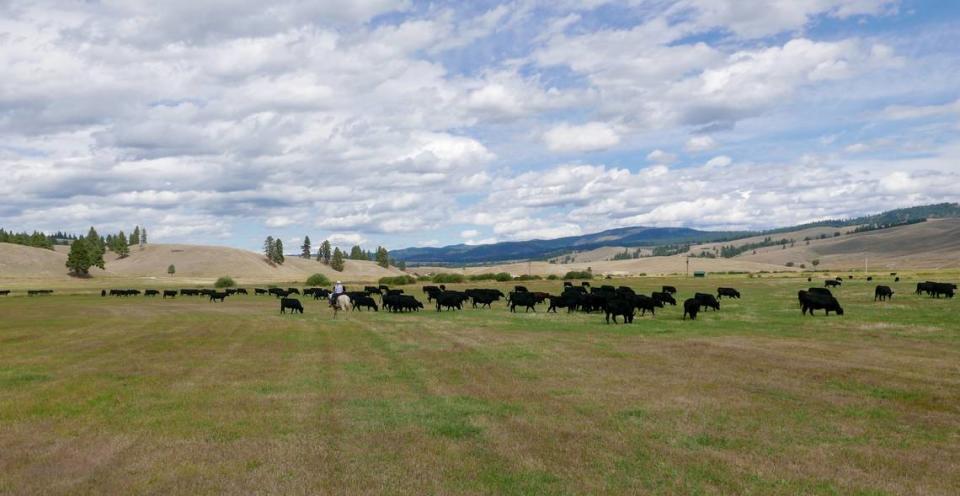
<point>404,123</point>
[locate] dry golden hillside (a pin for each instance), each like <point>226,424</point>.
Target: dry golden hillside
<point>193,263</point>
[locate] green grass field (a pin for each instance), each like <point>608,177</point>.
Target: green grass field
<point>120,396</point>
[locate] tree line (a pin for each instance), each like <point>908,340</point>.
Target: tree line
<point>36,239</point>
<point>330,255</point>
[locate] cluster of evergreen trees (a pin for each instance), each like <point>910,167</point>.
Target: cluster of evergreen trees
<point>330,255</point>
<point>731,251</point>
<point>36,239</point>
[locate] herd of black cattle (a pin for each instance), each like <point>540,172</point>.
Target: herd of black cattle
<point>612,301</point>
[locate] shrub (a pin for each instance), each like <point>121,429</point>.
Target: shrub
<point>397,280</point>
<point>318,280</point>
<point>423,278</point>
<point>224,282</point>
<point>503,277</point>
<point>486,276</point>
<point>527,277</point>
<point>553,277</point>
<point>790,264</point>
<point>446,278</point>
<point>578,274</point>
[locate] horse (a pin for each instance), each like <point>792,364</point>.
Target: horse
<point>341,302</point>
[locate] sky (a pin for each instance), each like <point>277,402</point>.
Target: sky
<point>403,123</point>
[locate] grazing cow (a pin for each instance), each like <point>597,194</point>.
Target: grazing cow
<point>242,291</point>
<point>171,293</point>
<point>451,300</point>
<point>484,297</point>
<point>401,303</point>
<point>691,307</point>
<point>870,278</point>
<point>394,292</point>
<point>522,299</point>
<point>669,289</point>
<point>728,292</point>
<point>896,279</point>
<point>567,284</point>
<point>809,279</point>
<point>321,293</point>
<point>5,292</point>
<point>371,289</point>
<point>293,291</point>
<point>519,289</point>
<point>292,303</point>
<point>584,284</point>
<point>814,301</point>
<point>645,303</point>
<point>151,292</point>
<point>664,298</point>
<point>214,296</point>
<point>882,293</point>
<point>707,300</point>
<point>829,283</point>
<point>230,291</point>
<point>278,292</point>
<point>568,300</point>
<point>823,291</point>
<point>103,292</point>
<point>625,290</point>
<point>259,291</point>
<point>364,301</point>
<point>619,306</point>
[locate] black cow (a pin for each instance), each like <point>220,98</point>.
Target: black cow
<point>645,303</point>
<point>242,291</point>
<point>619,306</point>
<point>870,278</point>
<point>830,283</point>
<point>522,299</point>
<point>519,289</point>
<point>882,293</point>
<point>451,300</point>
<point>896,279</point>
<point>394,292</point>
<point>814,301</point>
<point>664,298</point>
<point>371,289</point>
<point>707,300</point>
<point>401,303</point>
<point>809,279</point>
<point>383,288</point>
<point>214,296</point>
<point>293,291</point>
<point>364,301</point>
<point>321,293</point>
<point>169,293</point>
<point>278,292</point>
<point>729,292</point>
<point>669,289</point>
<point>259,291</point>
<point>292,303</point>
<point>484,296</point>
<point>691,307</point>
<point>432,292</point>
<point>151,292</point>
<point>4,292</point>
<point>584,284</point>
<point>567,284</point>
<point>569,300</point>
<point>103,292</point>
<point>822,291</point>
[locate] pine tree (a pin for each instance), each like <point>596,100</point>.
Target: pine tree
<point>96,242</point>
<point>268,246</point>
<point>356,253</point>
<point>135,236</point>
<point>143,237</point>
<point>120,246</point>
<point>383,257</point>
<point>278,251</point>
<point>305,248</point>
<point>83,255</point>
<point>171,269</point>
<point>336,262</point>
<point>324,254</point>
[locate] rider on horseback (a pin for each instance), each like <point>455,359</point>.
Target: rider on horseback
<point>337,291</point>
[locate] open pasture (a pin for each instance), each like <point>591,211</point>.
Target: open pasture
<point>143,395</point>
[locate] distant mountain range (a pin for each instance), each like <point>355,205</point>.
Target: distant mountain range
<point>541,249</point>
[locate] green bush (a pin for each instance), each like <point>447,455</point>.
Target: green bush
<point>397,280</point>
<point>503,277</point>
<point>224,282</point>
<point>423,278</point>
<point>578,274</point>
<point>553,277</point>
<point>486,276</point>
<point>527,277</point>
<point>445,278</point>
<point>318,280</point>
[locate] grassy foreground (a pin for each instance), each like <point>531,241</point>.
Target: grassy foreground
<point>106,396</point>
